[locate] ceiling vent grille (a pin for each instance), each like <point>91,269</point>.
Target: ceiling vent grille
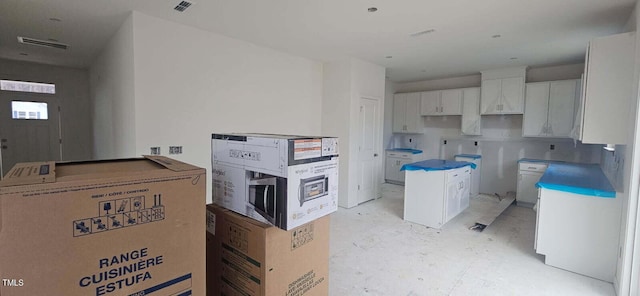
<point>183,5</point>
<point>43,43</point>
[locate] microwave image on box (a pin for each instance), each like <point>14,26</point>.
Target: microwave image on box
<point>264,191</point>
<point>312,188</point>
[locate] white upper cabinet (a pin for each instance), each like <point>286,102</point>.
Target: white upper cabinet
<point>608,89</point>
<point>451,102</point>
<point>441,102</point>
<point>406,113</point>
<point>550,108</point>
<point>430,103</point>
<point>502,91</point>
<point>471,111</point>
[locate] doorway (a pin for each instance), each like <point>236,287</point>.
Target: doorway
<point>368,146</point>
<point>29,128</point>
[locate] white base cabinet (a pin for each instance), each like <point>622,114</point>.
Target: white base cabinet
<point>432,198</point>
<point>394,162</point>
<point>529,174</point>
<point>579,233</point>
<point>474,189</point>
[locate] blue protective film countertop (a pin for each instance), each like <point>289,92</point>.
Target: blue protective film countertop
<point>413,151</point>
<point>472,156</point>
<point>436,165</point>
<point>585,179</point>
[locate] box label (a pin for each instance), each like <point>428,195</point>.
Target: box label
<point>211,223</point>
<point>120,213</point>
<point>301,236</point>
<point>128,269</point>
<point>305,149</point>
<point>304,284</point>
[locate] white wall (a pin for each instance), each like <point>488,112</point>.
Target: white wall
<point>112,93</point>
<point>191,83</point>
<point>72,91</point>
<point>390,89</point>
<point>501,143</point>
<point>624,162</point>
<point>345,82</point>
<point>336,112</point>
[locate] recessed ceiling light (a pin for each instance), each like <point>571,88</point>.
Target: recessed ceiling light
<point>24,54</point>
<point>55,19</point>
<point>496,36</point>
<point>425,32</point>
<point>388,57</point>
<point>372,9</point>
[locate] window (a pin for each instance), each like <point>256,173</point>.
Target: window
<point>29,110</point>
<point>23,86</point>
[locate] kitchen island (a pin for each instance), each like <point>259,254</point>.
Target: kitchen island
<point>436,190</point>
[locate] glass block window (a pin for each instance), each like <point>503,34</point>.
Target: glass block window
<point>23,86</point>
<point>29,110</point>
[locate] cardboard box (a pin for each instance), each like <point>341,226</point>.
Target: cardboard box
<point>117,227</point>
<point>283,180</point>
<point>248,257</point>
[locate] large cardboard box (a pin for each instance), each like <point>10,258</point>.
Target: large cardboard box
<point>118,227</point>
<point>283,180</point>
<point>248,257</point>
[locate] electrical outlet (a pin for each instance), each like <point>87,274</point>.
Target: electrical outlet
<point>552,147</point>
<point>445,142</point>
<point>475,143</point>
<point>155,151</point>
<point>175,149</point>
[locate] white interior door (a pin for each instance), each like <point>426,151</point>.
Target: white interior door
<point>29,129</point>
<point>368,155</point>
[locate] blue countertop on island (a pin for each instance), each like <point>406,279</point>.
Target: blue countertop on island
<point>436,165</point>
<point>585,179</point>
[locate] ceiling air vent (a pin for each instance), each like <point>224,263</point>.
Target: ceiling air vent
<point>43,43</point>
<point>183,5</point>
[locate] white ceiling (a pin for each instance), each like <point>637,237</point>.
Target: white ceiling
<point>536,32</point>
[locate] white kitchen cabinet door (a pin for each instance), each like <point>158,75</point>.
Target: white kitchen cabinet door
<point>406,113</point>
<point>430,103</point>
<point>471,119</point>
<point>490,96</point>
<point>512,95</point>
<point>607,98</point>
<point>390,170</point>
<point>451,102</point>
<point>534,123</point>
<point>465,193</point>
<point>399,113</point>
<point>412,117</point>
<point>527,192</point>
<point>452,199</point>
<point>562,101</point>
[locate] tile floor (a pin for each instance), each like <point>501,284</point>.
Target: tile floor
<point>375,252</point>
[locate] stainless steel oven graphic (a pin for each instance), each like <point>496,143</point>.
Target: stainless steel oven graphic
<point>262,195</point>
<point>312,188</point>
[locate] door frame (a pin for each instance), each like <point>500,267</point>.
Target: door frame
<point>378,134</point>
<point>54,107</point>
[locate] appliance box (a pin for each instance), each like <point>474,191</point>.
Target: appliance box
<point>113,227</point>
<point>282,180</point>
<point>248,257</point>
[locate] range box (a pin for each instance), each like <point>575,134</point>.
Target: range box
<point>114,227</point>
<point>248,257</point>
<point>282,180</point>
